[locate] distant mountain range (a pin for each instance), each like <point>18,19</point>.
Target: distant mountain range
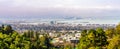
<point>56,17</point>
<point>38,17</point>
<point>67,19</point>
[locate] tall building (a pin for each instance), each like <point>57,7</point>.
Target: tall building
<point>52,22</point>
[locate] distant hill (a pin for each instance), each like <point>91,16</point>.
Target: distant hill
<point>3,18</point>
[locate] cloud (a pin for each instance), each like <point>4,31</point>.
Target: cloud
<point>59,7</point>
<point>82,4</point>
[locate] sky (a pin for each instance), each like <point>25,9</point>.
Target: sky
<point>53,8</point>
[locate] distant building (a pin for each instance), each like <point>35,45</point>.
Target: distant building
<point>52,22</point>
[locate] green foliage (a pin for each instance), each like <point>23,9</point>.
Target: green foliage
<point>93,39</point>
<point>100,39</point>
<point>110,32</point>
<point>10,39</point>
<point>83,41</point>
<point>114,43</point>
<point>118,29</point>
<point>7,29</point>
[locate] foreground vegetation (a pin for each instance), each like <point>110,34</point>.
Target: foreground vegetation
<point>90,39</point>
<point>10,39</point>
<point>100,39</point>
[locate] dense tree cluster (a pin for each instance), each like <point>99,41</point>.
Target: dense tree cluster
<point>100,39</point>
<point>10,39</point>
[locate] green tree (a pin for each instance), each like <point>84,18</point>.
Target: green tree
<point>92,37</point>
<point>83,44</point>
<point>114,43</point>
<point>110,32</point>
<point>101,38</point>
<point>118,29</point>
<point>8,29</point>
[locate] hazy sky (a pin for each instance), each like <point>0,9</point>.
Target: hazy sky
<point>84,8</point>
